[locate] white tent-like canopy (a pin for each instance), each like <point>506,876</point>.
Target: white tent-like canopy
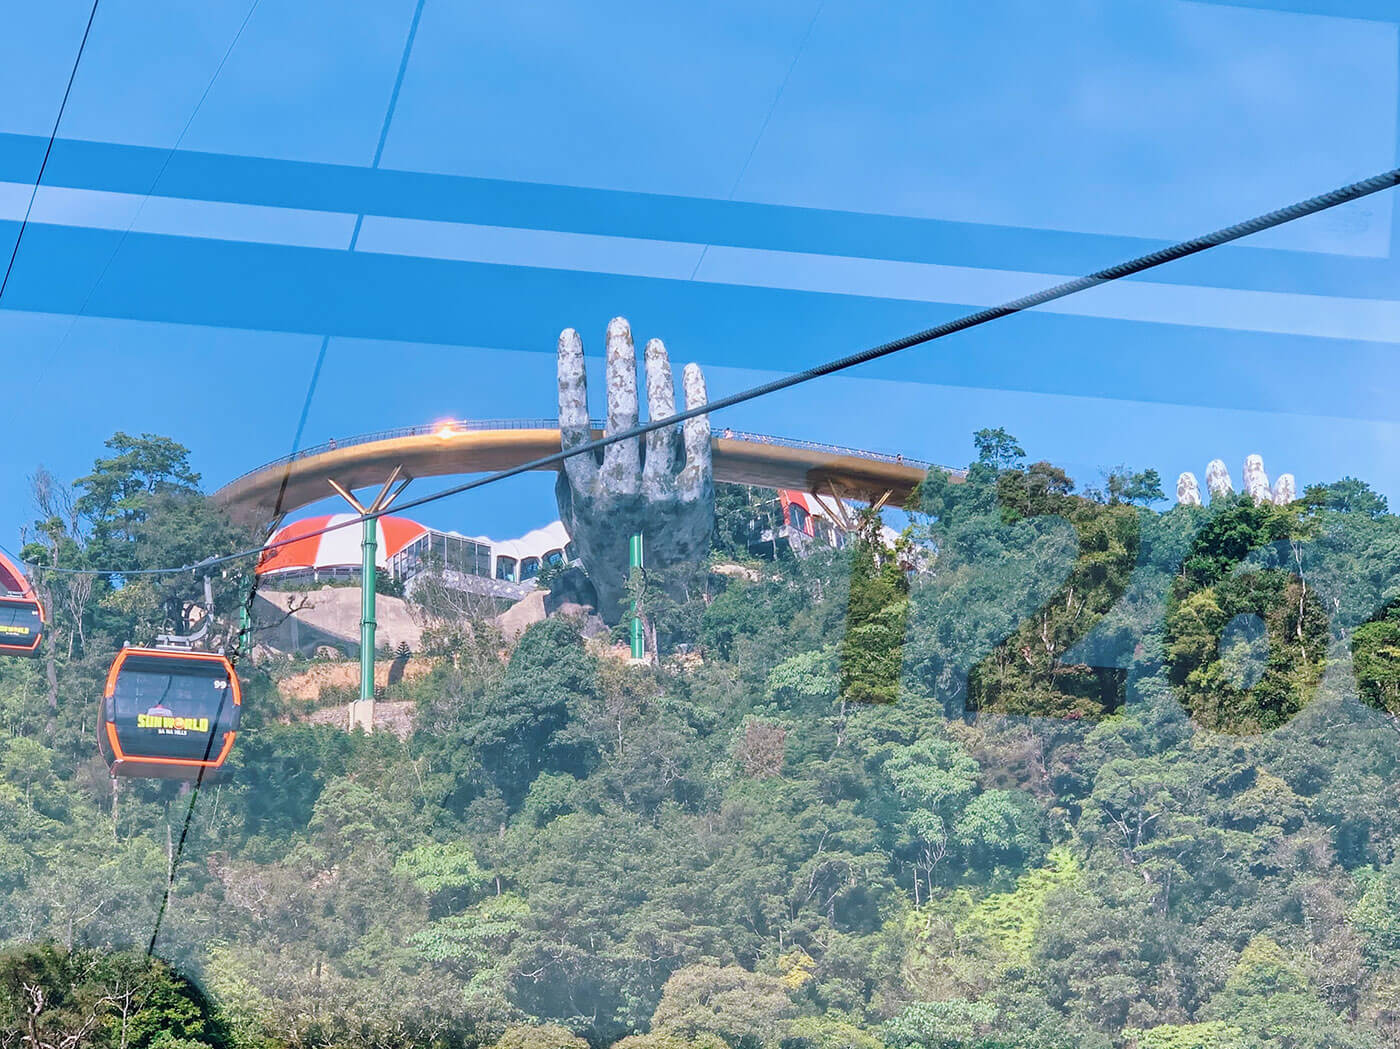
<point>296,547</point>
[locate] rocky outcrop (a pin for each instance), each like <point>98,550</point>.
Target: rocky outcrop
<point>664,490</point>
<point>306,686</point>
<point>520,616</point>
<point>305,620</point>
<point>396,716</point>
<point>571,588</point>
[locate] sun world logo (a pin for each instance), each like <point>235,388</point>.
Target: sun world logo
<point>166,723</point>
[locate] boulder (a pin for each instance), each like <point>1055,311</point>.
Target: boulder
<point>520,616</point>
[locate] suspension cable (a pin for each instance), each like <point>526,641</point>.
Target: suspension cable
<point>53,136</point>
<point>245,631</point>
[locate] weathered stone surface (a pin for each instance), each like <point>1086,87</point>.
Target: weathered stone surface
<point>1256,481</point>
<point>1188,492</point>
<point>1256,484</point>
<point>570,587</point>
<point>396,716</point>
<point>516,619</point>
<point>660,492</point>
<point>1218,480</point>
<point>330,618</point>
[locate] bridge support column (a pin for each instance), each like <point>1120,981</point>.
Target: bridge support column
<point>369,577</point>
<point>634,564</point>
<point>362,709</point>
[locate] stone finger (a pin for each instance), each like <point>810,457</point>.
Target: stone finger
<point>658,471</point>
<point>698,475</point>
<point>574,429</point>
<point>621,461</point>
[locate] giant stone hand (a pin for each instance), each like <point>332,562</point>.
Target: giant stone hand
<point>1220,486</point>
<point>665,491</point>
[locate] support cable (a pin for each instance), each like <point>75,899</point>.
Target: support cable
<point>53,136</point>
<point>245,631</point>
<point>160,173</point>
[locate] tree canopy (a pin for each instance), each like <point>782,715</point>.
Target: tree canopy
<point>1053,769</point>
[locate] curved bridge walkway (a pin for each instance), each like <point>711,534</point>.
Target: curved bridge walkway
<point>483,445</point>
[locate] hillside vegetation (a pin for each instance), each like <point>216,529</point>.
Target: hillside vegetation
<point>1054,771</point>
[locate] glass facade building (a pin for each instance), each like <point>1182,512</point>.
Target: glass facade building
<point>453,553</point>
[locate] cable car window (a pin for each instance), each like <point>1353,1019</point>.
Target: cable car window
<point>170,714</point>
<point>16,619</point>
<point>21,626</point>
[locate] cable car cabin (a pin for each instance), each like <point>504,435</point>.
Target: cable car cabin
<point>21,625</point>
<point>168,714</point>
<point>21,614</point>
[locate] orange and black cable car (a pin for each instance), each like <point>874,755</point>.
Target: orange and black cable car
<point>168,714</point>
<point>21,614</point>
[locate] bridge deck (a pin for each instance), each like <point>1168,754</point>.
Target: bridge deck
<point>487,445</point>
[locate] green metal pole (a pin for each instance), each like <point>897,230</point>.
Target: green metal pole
<point>367,581</point>
<point>635,562</point>
<point>245,629</point>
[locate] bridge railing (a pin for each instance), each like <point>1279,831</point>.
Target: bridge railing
<point>819,446</point>
<point>423,430</point>
<point>466,425</point>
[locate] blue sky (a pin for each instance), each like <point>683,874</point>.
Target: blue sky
<point>763,186</point>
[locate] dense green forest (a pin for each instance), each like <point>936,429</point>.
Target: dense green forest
<point>1054,770</point>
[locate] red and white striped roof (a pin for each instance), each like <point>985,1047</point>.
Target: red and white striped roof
<point>294,547</point>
